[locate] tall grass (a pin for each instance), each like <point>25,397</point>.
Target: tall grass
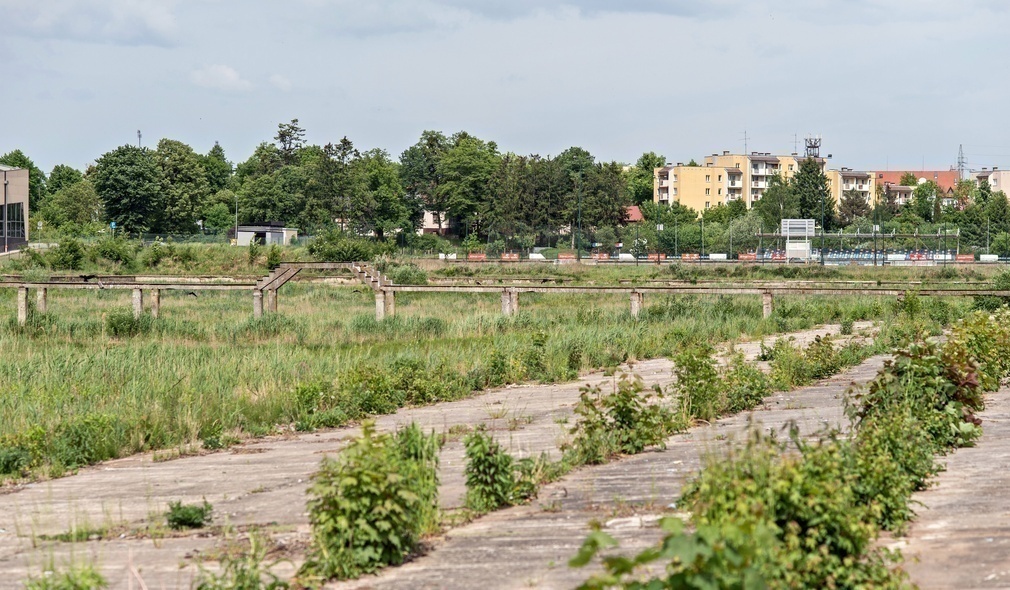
<point>71,380</point>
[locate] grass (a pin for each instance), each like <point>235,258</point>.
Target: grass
<point>81,384</point>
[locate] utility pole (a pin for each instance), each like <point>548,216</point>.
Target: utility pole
<point>960,162</point>
<point>138,138</point>
<point>578,236</point>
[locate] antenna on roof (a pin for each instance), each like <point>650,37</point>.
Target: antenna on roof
<point>813,145</point>
<point>745,152</point>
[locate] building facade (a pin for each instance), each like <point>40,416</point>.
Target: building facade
<point>847,179</point>
<point>721,179</point>
<point>15,195</point>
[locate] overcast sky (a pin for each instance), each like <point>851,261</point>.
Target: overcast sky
<point>887,83</point>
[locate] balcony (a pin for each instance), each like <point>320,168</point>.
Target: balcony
<point>664,183</point>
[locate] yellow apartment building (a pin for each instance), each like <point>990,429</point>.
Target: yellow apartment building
<point>721,179</point>
<point>846,179</point>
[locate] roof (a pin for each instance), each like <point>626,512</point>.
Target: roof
<point>854,174</point>
<point>732,171</point>
<point>8,168</point>
<point>635,214</point>
<point>947,179</point>
<point>764,158</point>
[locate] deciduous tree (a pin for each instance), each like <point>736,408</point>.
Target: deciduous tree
<point>128,180</point>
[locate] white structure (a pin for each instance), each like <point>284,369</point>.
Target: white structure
<point>798,233</point>
<point>265,234</point>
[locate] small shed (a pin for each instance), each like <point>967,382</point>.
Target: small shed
<point>266,234</point>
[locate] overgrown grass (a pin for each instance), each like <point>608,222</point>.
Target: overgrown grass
<point>86,382</point>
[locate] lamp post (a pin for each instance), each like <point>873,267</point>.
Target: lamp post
<point>5,211</point>
<point>822,229</point>
<point>236,219</point>
<point>578,236</point>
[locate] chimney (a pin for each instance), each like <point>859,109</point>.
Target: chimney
<point>680,163</point>
<point>725,152</point>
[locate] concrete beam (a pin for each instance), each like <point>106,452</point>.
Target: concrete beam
<point>138,303</point>
<point>257,303</point>
<point>41,300</point>
<point>155,303</point>
<point>22,305</point>
<point>506,303</point>
<point>767,305</point>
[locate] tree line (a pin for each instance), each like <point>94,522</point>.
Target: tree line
<point>469,186</point>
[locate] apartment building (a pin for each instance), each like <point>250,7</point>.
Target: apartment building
<point>721,179</point>
<point>998,179</point>
<point>847,179</point>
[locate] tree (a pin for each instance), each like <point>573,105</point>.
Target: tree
<point>640,177</point>
<point>778,202</point>
<point>419,172</point>
<point>36,178</point>
<point>382,208</point>
<point>465,170</point>
<point>908,179</point>
<point>218,218</point>
<point>605,198</point>
<point>811,186</point>
<point>62,177</point>
<point>266,159</point>
<point>853,205</point>
<point>77,204</point>
<point>184,186</point>
<point>217,168</point>
<point>925,199</point>
<point>128,180</point>
<point>290,140</point>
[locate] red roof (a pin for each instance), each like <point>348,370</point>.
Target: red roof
<point>635,214</point>
<point>947,179</point>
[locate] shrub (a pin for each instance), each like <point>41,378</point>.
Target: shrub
<point>273,256</point>
<point>623,422</point>
<point>336,246</point>
<point>407,274</point>
<point>68,255</point>
<point>188,516</point>
<point>698,386</point>
<point>121,322</point>
<point>370,505</point>
<point>490,480</point>
<point>744,386</point>
<point>114,250</point>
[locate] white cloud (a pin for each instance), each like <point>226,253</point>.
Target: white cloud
<point>220,77</point>
<point>280,82</point>
<point>125,22</point>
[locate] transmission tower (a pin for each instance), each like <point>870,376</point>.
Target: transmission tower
<point>813,145</point>
<point>961,164</point>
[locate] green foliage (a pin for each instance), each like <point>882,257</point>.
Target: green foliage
<point>370,505</point>
<point>68,255</point>
<point>273,257</point>
<point>188,516</point>
<point>76,577</point>
<point>698,386</point>
<point>115,250</point>
<point>723,557</point>
<point>253,252</point>
<point>490,480</point>
<point>823,534</point>
<point>624,421</point>
<point>129,182</point>
<point>744,386</point>
<point>336,246</point>
<point>122,323</point>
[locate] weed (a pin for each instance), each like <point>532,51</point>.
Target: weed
<point>490,481</point>
<point>188,516</point>
<point>75,577</point>
<point>249,571</point>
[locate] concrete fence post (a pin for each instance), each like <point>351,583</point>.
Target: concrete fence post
<point>389,305</point>
<point>514,300</point>
<point>637,300</point>
<point>257,303</point>
<point>380,305</point>
<point>271,295</point>
<point>138,302</point>
<point>506,303</point>
<point>767,306</point>
<point>41,300</point>
<point>22,305</point>
<point>155,303</point>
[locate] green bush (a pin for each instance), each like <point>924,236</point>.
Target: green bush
<point>188,516</point>
<point>490,481</point>
<point>68,255</point>
<point>622,422</point>
<point>273,256</point>
<point>744,386</point>
<point>121,322</point>
<point>249,571</point>
<point>336,246</point>
<point>115,250</point>
<point>406,274</point>
<point>697,386</point>
<point>370,505</point>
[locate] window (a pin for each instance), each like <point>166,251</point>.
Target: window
<point>719,192</point>
<point>708,191</point>
<point>708,178</point>
<point>708,204</point>
<point>720,178</point>
<point>15,220</point>
<point>790,167</point>
<point>738,165</point>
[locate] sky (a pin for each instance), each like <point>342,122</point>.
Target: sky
<point>888,84</point>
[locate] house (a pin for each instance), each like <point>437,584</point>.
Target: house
<point>15,195</point>
<point>267,234</point>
